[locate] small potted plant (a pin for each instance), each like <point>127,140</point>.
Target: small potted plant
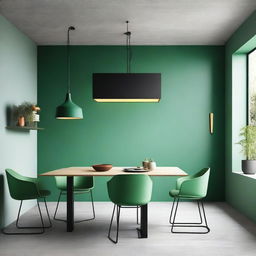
<point>24,113</point>
<point>248,143</point>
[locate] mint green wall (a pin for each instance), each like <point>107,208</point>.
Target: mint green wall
<point>174,132</point>
<point>18,83</point>
<point>240,190</point>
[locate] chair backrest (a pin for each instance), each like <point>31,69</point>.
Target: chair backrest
<point>196,185</point>
<point>21,187</point>
<point>80,182</point>
<point>130,189</point>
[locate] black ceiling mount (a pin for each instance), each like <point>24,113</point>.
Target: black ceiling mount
<point>128,33</point>
<point>128,47</point>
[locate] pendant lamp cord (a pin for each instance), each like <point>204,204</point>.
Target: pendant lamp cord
<point>68,58</point>
<point>128,48</point>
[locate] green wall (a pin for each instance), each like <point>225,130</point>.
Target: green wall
<point>240,190</point>
<point>173,132</point>
<point>18,83</point>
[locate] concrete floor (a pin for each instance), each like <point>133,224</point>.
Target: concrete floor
<point>231,234</point>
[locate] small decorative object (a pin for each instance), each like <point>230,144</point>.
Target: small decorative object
<point>21,121</point>
<point>24,110</point>
<point>36,117</point>
<point>248,144</point>
<point>102,167</point>
<point>145,164</point>
<point>151,165</point>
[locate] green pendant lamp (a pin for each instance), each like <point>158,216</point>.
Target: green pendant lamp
<point>69,110</point>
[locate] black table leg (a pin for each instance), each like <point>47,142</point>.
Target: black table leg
<point>143,230</point>
<point>70,204</point>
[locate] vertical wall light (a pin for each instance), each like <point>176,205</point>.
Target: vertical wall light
<point>69,110</point>
<point>211,122</point>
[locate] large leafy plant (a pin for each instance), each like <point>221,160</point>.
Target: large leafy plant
<point>248,141</point>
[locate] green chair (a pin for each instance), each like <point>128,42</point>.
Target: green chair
<point>82,185</point>
<point>128,191</point>
<point>193,187</point>
<point>26,188</point>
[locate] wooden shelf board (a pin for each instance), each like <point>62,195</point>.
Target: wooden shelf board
<point>24,128</point>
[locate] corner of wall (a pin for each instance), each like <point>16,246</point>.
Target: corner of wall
<point>18,81</point>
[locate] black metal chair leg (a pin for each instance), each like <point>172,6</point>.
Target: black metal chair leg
<point>17,220</point>
<point>39,209</point>
<point>117,224</point>
<point>177,203</point>
<point>40,213</point>
<point>186,223</point>
<point>41,216</point>
<point>205,220</point>
<point>189,225</point>
<point>47,211</point>
<point>173,203</point>
<point>93,211</point>
<point>22,227</point>
<point>201,220</point>
<point>111,221</point>
<point>77,221</point>
<point>54,216</point>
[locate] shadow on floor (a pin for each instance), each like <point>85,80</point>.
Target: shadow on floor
<point>238,217</point>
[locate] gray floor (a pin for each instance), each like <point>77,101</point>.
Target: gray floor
<point>231,234</point>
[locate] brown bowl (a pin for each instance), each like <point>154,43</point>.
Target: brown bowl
<point>102,167</point>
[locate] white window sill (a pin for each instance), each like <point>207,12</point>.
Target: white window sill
<point>252,176</point>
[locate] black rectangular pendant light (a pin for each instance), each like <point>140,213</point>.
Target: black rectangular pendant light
<point>127,87</point>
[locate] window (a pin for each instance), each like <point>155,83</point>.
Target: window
<point>252,88</point>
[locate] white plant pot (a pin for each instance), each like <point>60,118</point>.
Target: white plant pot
<point>152,166</point>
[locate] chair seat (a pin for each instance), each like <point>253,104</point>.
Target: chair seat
<point>44,193</point>
<point>77,191</point>
<point>176,193</point>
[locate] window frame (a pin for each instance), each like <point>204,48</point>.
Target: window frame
<point>247,86</point>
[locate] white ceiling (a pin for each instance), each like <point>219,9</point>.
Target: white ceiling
<point>152,22</point>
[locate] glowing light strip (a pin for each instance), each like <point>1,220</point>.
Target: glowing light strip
<point>59,117</point>
<point>127,100</point>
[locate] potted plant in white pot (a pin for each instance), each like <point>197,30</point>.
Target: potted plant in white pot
<point>248,143</point>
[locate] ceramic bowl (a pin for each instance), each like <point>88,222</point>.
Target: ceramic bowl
<point>102,167</point>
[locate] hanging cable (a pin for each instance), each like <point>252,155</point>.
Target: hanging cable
<point>68,58</point>
<point>128,48</point>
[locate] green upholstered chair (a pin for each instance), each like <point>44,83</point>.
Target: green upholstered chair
<point>26,188</point>
<point>127,191</point>
<point>193,187</point>
<point>82,185</point>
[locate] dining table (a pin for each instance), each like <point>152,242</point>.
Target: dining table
<point>71,172</point>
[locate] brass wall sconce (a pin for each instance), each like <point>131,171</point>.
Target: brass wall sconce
<point>211,123</point>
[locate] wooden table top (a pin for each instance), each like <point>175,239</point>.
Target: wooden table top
<point>89,171</point>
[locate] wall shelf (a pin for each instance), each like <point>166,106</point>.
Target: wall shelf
<point>23,128</point>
